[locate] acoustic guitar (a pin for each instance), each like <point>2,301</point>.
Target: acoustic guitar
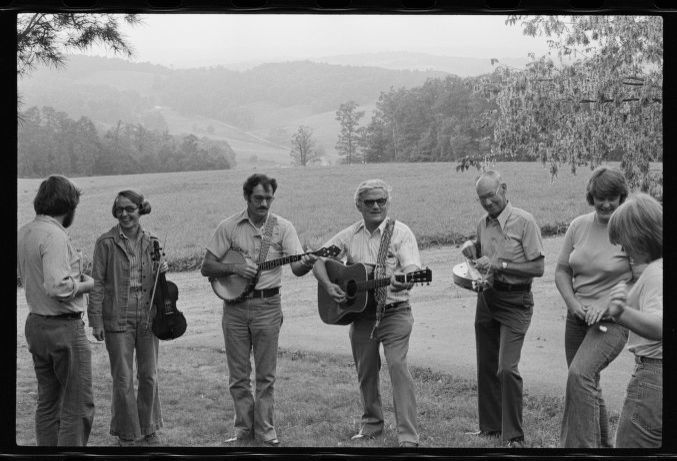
<point>233,287</point>
<point>354,281</point>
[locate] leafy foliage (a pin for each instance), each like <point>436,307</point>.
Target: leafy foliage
<point>438,121</point>
<point>349,137</point>
<point>50,142</point>
<point>43,37</point>
<point>603,94</point>
<point>303,148</point>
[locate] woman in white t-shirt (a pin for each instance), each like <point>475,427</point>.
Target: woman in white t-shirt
<point>637,225</point>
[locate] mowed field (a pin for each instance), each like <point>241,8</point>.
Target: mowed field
<point>436,201</point>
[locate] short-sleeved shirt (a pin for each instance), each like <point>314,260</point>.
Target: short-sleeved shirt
<point>49,267</point>
<point>646,295</point>
<point>597,265</point>
<point>237,232</point>
<point>512,236</point>
<point>358,245</point>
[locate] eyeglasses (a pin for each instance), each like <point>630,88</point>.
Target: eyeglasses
<point>128,209</point>
<point>370,203</point>
<point>258,199</point>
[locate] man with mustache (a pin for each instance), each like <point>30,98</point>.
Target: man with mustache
<point>254,322</point>
<point>509,250</point>
<point>49,268</point>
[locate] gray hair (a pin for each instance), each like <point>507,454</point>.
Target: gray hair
<point>371,184</point>
<point>637,225</point>
<point>489,174</point>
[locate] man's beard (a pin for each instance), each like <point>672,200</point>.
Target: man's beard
<point>68,219</point>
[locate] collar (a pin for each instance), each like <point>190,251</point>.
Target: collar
<point>244,216</point>
<point>502,218</point>
<point>122,235</point>
<point>361,225</point>
<point>50,219</point>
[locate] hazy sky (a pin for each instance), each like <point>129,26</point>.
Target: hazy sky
<point>211,39</point>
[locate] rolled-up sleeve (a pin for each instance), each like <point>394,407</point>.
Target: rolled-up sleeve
<point>95,305</point>
<point>58,282</point>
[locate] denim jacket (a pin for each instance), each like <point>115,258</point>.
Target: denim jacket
<point>108,299</point>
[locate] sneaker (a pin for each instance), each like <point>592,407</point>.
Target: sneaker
<point>152,439</point>
<point>126,442</point>
<point>365,436</point>
<point>272,442</point>
<point>484,433</point>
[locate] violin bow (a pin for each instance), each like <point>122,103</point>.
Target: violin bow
<point>157,276</point>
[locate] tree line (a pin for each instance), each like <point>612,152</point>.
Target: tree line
<point>50,142</point>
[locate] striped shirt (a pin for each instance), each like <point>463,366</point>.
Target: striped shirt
<point>133,249</point>
<point>358,245</point>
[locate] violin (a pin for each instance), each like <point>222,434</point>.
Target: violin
<point>169,322</point>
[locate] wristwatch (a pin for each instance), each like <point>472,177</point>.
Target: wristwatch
<point>504,265</point>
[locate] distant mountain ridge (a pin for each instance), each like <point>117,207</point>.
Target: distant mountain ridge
<point>256,110</point>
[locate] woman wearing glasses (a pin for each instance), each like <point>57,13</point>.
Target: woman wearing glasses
<point>588,267</point>
<point>119,313</point>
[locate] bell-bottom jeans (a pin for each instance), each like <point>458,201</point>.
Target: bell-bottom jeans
<point>252,325</point>
<point>62,361</point>
<point>134,415</point>
<point>393,332</point>
<point>641,421</point>
<point>588,350</point>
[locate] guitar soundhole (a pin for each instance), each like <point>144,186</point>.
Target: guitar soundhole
<point>351,290</point>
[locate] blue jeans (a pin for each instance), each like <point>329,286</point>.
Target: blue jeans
<point>641,421</point>
<point>133,416</point>
<point>393,331</point>
<point>63,367</point>
<point>253,324</point>
<point>585,423</point>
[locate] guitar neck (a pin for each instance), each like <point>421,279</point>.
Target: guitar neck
<point>266,265</point>
<point>372,284</point>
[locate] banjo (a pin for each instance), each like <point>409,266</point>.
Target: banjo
<point>467,276</point>
<point>233,287</point>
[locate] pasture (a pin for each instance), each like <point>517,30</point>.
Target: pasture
<point>436,201</point>
<point>317,400</point>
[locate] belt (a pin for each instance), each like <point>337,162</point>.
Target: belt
<point>500,286</point>
<point>70,315</point>
<point>265,293</point>
<point>641,359</point>
<point>395,305</point>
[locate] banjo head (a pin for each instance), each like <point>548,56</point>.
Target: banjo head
<point>231,286</point>
<point>467,277</point>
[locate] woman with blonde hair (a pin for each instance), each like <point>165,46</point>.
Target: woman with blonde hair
<point>637,225</point>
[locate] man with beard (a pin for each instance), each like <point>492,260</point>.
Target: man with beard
<point>509,251</point>
<point>253,323</point>
<point>49,269</point>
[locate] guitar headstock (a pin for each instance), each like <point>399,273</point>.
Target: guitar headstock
<point>421,276</point>
<point>328,252</point>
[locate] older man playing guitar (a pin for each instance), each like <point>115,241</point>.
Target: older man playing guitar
<point>385,247</point>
